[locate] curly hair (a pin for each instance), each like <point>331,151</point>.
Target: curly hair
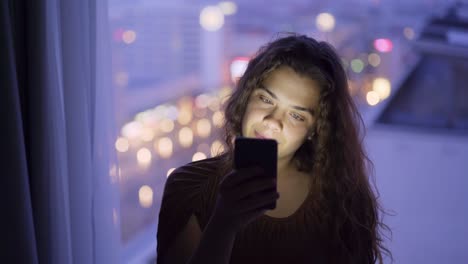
<point>335,159</point>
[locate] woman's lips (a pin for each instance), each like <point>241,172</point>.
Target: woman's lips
<point>262,136</point>
<point>258,135</point>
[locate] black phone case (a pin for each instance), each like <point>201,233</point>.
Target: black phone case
<point>249,152</point>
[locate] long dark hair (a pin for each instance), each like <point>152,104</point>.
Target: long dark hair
<point>334,158</point>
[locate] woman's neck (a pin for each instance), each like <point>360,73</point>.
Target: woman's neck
<point>287,169</point>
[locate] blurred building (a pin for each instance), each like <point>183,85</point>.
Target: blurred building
<point>435,94</point>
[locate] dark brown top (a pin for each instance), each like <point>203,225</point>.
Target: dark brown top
<point>192,189</point>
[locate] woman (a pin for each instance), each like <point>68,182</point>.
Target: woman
<point>294,91</point>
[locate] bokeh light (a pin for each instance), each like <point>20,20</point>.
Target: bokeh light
<point>186,137</point>
<point>129,36</point>
<point>215,104</point>
<point>325,22</point>
<point>185,116</point>
<point>372,98</point>
<point>228,8</point>
<point>218,119</point>
<point>145,196</point>
<point>382,87</point>
<point>202,101</point>
<point>204,128</point>
<point>147,134</point>
<point>122,144</point>
<point>357,65</point>
<point>217,148</point>
<point>374,59</point>
<point>164,147</point>
<point>144,157</point>
<point>166,125</point>
<point>383,45</point>
<point>211,18</point>
<point>238,67</point>
<point>200,112</point>
<point>132,130</point>
<point>198,156</point>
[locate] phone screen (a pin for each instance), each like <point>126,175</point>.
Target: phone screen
<point>249,152</point>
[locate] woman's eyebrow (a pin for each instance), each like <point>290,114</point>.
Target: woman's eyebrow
<point>299,108</point>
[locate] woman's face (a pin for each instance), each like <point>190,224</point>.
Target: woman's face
<point>282,108</point>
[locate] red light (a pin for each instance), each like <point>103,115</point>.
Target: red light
<point>383,45</point>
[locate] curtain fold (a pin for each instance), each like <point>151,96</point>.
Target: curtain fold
<point>18,225</point>
<point>56,107</point>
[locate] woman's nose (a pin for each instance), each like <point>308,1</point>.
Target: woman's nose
<point>274,121</point>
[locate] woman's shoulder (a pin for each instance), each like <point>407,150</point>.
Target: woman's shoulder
<point>198,171</point>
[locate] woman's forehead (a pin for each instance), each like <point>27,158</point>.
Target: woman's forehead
<point>287,85</point>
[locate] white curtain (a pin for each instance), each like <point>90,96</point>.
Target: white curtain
<point>56,100</point>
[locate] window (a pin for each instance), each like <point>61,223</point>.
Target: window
<point>174,62</point>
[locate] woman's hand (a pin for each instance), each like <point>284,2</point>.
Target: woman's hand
<point>243,195</point>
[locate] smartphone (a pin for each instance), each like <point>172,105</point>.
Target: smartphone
<point>249,152</point>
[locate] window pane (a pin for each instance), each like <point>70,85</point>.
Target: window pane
<point>174,62</point>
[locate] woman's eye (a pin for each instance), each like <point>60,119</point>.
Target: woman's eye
<point>265,99</point>
<point>298,117</point>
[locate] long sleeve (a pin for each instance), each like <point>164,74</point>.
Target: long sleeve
<point>188,190</point>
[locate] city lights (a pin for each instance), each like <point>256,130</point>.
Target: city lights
<point>186,137</point>
<point>383,45</point>
<point>147,134</point>
<point>145,195</point>
<point>185,116</point>
<point>215,104</point>
<point>216,148</point>
<point>132,130</point>
<point>202,101</point>
<point>198,156</point>
<point>228,7</point>
<point>325,22</point>
<point>238,67</point>
<point>374,59</point>
<point>144,157</point>
<point>129,36</point>
<point>122,144</point>
<point>218,119</point>
<point>160,111</point>
<point>204,128</point>
<point>372,98</point>
<point>166,125</point>
<point>357,65</point>
<point>382,87</point>
<point>224,94</point>
<point>211,18</point>
<point>164,147</point>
